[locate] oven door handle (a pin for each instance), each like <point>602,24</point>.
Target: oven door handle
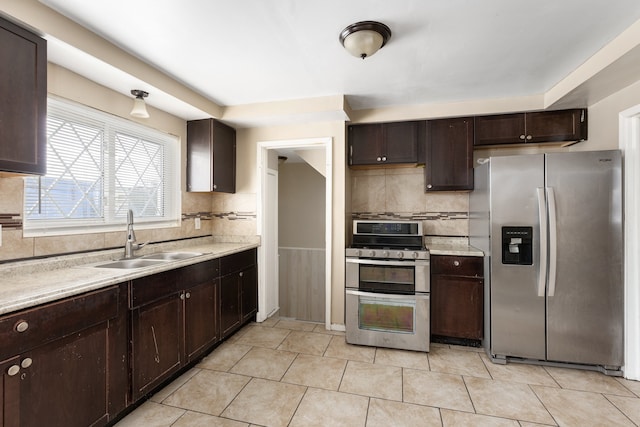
<point>388,296</point>
<point>406,263</point>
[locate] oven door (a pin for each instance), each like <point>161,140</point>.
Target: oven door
<point>388,276</point>
<point>386,320</point>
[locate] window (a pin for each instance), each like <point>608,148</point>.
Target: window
<point>98,167</point>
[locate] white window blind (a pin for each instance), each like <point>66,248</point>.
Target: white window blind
<point>98,167</point>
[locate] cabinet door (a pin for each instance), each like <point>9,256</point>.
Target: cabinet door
<point>456,306</point>
<point>229,304</point>
<point>249,301</point>
<point>449,155</point>
<point>552,126</point>
<point>200,318</point>
<point>156,343</point>
<point>400,142</point>
<point>224,158</point>
<point>23,88</point>
<point>65,383</point>
<point>365,144</point>
<point>500,129</point>
<point>10,393</point>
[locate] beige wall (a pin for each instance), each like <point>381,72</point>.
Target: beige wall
<point>65,84</point>
<point>301,206</point>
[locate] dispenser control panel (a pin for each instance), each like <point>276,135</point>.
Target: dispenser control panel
<point>517,245</point>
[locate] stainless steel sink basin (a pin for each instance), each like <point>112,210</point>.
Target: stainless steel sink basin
<point>130,263</point>
<point>172,256</point>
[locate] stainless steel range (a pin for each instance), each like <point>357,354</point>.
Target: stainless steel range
<point>387,285</point>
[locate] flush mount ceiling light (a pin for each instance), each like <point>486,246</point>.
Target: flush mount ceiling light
<point>364,38</point>
<point>139,106</point>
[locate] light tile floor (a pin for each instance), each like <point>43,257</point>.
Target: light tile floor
<point>288,373</point>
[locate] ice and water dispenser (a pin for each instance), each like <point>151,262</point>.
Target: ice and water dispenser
<point>517,247</point>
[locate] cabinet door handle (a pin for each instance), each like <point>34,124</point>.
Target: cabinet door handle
<point>188,295</point>
<point>384,158</point>
<point>13,370</point>
<point>215,187</point>
<point>456,263</point>
<point>26,362</point>
<point>379,159</point>
<point>521,136</point>
<point>529,137</point>
<point>182,296</point>
<point>241,274</point>
<point>429,186</point>
<point>22,326</point>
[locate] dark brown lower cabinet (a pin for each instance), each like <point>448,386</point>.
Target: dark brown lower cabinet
<point>156,329</point>
<point>67,381</point>
<point>201,326</point>
<point>173,321</point>
<point>457,287</point>
<point>238,291</point>
<point>83,360</point>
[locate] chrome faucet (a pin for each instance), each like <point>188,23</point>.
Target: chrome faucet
<point>130,246</point>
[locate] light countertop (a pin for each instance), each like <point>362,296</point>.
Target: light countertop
<point>453,249</point>
<point>451,246</point>
<point>29,283</point>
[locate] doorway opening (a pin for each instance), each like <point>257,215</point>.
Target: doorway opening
<point>318,153</point>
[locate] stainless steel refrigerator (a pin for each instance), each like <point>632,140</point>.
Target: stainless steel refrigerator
<point>551,229</point>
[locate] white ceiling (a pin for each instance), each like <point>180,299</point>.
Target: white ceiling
<point>254,51</point>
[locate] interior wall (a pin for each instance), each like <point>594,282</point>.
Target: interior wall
<point>301,206</point>
<point>66,84</point>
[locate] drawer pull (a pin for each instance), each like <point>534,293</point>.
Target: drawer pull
<point>22,326</point>
<point>456,263</point>
<point>26,362</point>
<point>13,370</point>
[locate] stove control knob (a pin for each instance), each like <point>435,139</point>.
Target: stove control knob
<point>400,254</point>
<point>415,255</point>
<point>385,254</point>
<point>372,253</point>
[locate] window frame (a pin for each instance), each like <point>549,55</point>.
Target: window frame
<point>110,222</point>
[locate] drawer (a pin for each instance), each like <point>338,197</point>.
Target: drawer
<point>50,322</point>
<point>470,266</point>
<point>150,288</point>
<point>197,274</point>
<point>237,262</point>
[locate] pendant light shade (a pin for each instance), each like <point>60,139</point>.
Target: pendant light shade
<point>365,38</point>
<point>139,107</point>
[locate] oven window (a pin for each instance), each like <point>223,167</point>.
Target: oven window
<point>387,315</point>
<point>385,278</point>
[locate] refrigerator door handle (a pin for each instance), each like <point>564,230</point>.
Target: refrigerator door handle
<point>542,213</point>
<point>553,240</point>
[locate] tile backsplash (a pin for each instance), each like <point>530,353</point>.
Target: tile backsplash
<point>399,194</point>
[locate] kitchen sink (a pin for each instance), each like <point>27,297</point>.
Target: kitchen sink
<point>130,263</point>
<point>171,256</point>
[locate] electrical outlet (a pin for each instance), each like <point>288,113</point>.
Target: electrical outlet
<point>197,222</point>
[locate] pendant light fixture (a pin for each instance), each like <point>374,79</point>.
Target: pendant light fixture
<point>139,106</point>
<point>364,38</point>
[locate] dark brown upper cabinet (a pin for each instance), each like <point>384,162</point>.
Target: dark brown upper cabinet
<point>23,90</point>
<point>383,143</point>
<point>534,127</point>
<point>449,154</point>
<point>211,156</point>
